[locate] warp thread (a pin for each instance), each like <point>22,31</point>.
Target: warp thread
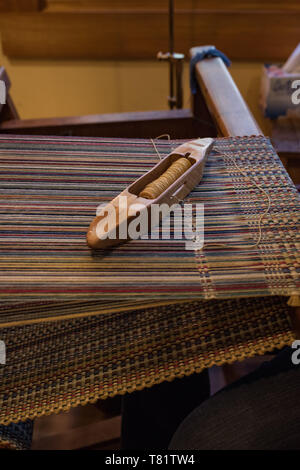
<point>247,177</point>
<point>294,300</point>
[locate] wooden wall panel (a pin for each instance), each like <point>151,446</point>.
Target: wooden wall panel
<point>130,29</point>
<point>180,5</point>
<point>22,5</point>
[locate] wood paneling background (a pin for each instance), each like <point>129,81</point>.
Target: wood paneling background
<point>22,5</point>
<point>131,29</point>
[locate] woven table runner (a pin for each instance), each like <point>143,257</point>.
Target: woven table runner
<point>80,326</point>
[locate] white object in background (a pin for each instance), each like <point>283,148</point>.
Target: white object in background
<point>293,61</point>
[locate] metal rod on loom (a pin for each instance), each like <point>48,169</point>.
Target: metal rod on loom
<point>175,59</point>
<point>171,49</point>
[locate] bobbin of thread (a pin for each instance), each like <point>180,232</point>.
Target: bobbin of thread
<point>163,182</point>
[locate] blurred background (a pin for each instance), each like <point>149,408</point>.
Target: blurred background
<point>71,57</point>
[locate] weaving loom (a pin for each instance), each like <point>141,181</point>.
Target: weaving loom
<point>110,322</point>
<point>81,325</point>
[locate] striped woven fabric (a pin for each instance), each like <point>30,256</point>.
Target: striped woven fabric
<point>53,366</point>
<point>153,329</point>
<point>50,189</point>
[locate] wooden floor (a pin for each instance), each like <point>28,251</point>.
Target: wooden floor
<point>98,427</point>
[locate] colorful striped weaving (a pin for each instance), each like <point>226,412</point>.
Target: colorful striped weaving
<point>168,312</point>
<point>50,188</point>
<point>53,366</point>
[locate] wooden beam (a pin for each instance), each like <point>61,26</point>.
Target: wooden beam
<point>7,110</point>
<point>177,123</point>
<point>82,436</point>
<point>22,5</point>
<point>224,100</point>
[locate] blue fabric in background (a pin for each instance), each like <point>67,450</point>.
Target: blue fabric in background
<point>212,52</point>
<point>19,435</point>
